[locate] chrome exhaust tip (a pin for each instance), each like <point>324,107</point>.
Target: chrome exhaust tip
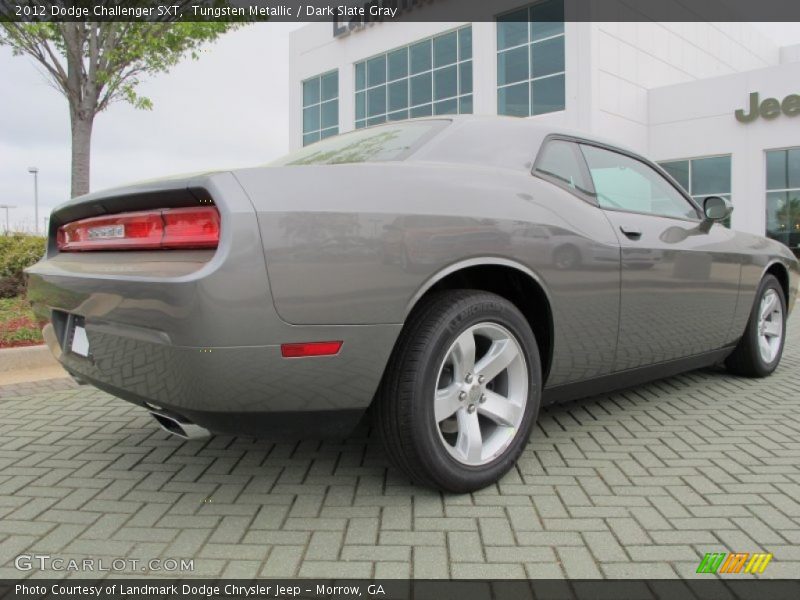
<point>181,428</point>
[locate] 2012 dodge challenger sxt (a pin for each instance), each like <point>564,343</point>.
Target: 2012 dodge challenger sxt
<point>453,274</point>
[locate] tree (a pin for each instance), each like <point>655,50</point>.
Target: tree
<point>96,64</point>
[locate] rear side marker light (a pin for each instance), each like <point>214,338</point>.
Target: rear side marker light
<point>310,349</point>
<point>162,229</point>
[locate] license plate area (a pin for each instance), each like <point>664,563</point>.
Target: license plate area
<point>76,341</point>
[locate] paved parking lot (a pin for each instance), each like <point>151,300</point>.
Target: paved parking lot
<point>640,483</point>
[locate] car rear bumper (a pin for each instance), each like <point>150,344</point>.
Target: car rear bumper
<point>248,390</point>
<point>196,334</point>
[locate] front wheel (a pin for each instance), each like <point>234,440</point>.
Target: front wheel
<point>462,391</point>
<point>759,351</point>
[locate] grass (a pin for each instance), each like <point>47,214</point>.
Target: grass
<point>18,324</point>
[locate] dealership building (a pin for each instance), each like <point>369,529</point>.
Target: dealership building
<point>717,104</point>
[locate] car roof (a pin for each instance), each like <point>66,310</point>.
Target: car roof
<point>495,141</point>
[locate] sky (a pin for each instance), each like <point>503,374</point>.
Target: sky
<point>227,109</point>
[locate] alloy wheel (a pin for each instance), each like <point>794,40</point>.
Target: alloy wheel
<point>481,394</point>
<point>770,325</point>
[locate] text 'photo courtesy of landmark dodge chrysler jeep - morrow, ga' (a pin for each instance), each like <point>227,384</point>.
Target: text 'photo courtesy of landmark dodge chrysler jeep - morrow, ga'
<point>450,274</point>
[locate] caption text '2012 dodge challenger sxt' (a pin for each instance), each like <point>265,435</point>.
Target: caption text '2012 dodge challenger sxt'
<point>453,274</point>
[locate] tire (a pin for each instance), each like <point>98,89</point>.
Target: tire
<point>432,354</point>
<point>759,351</point>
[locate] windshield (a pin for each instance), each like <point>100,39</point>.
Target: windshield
<point>376,144</point>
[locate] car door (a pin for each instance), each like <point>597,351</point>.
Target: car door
<point>680,274</point>
<point>576,252</point>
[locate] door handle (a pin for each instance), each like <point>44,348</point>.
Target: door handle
<point>631,233</point>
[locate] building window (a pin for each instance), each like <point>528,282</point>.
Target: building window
<point>530,60</point>
<point>783,196</point>
<point>320,107</point>
<point>430,77</point>
<point>703,177</point>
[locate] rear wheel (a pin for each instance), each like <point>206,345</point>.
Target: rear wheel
<point>462,391</point>
<point>759,351</point>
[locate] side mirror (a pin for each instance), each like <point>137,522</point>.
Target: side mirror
<point>716,208</point>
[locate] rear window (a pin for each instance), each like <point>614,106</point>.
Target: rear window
<point>376,144</point>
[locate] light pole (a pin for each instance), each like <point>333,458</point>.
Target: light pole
<point>35,171</point>
<point>7,206</point>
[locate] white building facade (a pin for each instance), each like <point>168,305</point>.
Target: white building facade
<point>668,90</point>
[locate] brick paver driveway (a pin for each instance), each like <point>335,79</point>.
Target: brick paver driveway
<point>634,484</point>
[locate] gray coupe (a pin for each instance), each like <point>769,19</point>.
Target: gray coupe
<point>451,274</point>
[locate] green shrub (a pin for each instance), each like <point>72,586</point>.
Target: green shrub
<point>17,251</point>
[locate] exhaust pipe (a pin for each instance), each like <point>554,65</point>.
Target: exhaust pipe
<point>180,427</point>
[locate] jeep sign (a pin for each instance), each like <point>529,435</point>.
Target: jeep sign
<point>769,108</point>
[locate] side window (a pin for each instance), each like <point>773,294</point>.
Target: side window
<point>624,183</point>
<point>561,162</point>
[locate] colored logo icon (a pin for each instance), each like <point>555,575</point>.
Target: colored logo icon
<point>735,562</point>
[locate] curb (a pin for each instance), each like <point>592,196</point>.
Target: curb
<point>26,358</point>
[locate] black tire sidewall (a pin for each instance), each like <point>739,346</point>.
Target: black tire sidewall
<point>445,469</point>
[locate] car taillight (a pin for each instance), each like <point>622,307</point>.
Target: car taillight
<point>160,229</point>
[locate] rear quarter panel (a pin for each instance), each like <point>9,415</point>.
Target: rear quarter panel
<point>356,244</point>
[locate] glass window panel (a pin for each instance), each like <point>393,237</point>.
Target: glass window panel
<point>793,167</point>
<point>679,170</point>
<point>547,57</point>
<point>445,49</point>
<point>421,89</point>
<point>783,217</point>
<point>361,105</point>
<point>513,100</point>
<point>465,105</point>
<point>398,64</point>
<point>445,83</point>
<point>547,19</point>
<point>465,77</point>
<point>465,43</point>
<point>390,143</point>
<point>360,124</point>
<point>776,170</point>
<point>776,205</point>
<point>561,162</point>
<point>512,29</point>
<point>311,91</point>
<point>325,133</point>
<point>376,101</point>
<point>398,116</point>
<point>329,114</point>
<point>376,120</point>
<point>398,95</point>
<point>624,183</point>
<point>711,176</point>
<point>376,71</point>
<point>547,95</point>
<point>361,76</point>
<point>310,119</point>
<point>447,107</point>
<point>422,111</point>
<point>407,77</point>
<point>512,66</point>
<point>420,57</point>
<point>330,86</point>
<point>310,138</point>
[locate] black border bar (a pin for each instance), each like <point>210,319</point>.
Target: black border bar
<point>367,11</point>
<point>702,588</point>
